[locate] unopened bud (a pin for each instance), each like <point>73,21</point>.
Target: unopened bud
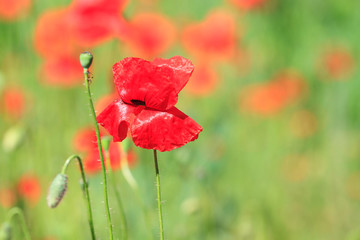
<point>86,59</point>
<point>5,231</point>
<point>57,190</point>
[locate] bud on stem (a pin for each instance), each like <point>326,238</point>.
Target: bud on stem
<point>57,190</point>
<point>86,59</point>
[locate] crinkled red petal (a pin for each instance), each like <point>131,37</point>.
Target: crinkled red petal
<point>117,117</point>
<point>156,83</point>
<point>163,130</point>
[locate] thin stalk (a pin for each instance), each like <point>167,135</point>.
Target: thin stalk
<point>159,195</point>
<point>133,184</point>
<point>91,221</point>
<point>17,211</point>
<point>118,199</point>
<point>92,110</point>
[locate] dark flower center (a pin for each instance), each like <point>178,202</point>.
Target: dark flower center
<point>138,102</point>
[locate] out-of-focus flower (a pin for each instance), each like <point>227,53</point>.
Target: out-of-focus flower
<point>338,64</point>
<point>85,141</point>
<point>95,21</point>
<point>148,92</point>
<point>303,124</point>
<point>204,81</point>
<point>29,188</point>
<point>212,39</point>
<point>53,35</point>
<point>60,35</point>
<point>11,10</point>
<point>150,34</point>
<point>13,102</point>
<point>7,197</point>
<point>248,4</point>
<point>63,71</point>
<point>270,98</point>
<point>296,168</point>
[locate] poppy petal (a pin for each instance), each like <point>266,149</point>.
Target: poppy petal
<point>157,83</point>
<point>163,131</point>
<point>116,118</point>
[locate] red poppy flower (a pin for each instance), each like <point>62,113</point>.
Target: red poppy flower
<point>248,4</point>
<point>203,81</point>
<point>53,35</point>
<point>7,197</point>
<point>13,102</point>
<point>269,98</point>
<point>338,63</point>
<point>85,141</point>
<point>150,34</point>
<point>29,188</point>
<point>61,71</point>
<point>213,38</point>
<point>95,21</point>
<point>148,92</point>
<point>11,10</point>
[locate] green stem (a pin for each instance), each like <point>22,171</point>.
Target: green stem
<point>17,211</point>
<point>133,184</point>
<point>159,195</point>
<point>91,222</point>
<point>118,199</point>
<point>107,209</point>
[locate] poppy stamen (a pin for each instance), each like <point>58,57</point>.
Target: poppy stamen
<point>138,102</point>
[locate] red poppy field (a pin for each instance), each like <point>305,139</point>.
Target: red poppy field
<point>196,120</point>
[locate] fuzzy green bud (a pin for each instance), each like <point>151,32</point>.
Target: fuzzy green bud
<point>86,59</point>
<point>5,231</point>
<point>57,190</point>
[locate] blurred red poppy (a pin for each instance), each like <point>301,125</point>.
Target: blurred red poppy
<point>150,34</point>
<point>29,188</point>
<point>13,102</point>
<point>95,21</point>
<point>214,38</point>
<point>338,64</point>
<point>148,92</point>
<point>85,141</point>
<point>53,35</point>
<point>13,9</point>
<point>64,71</point>
<point>248,4</point>
<point>203,81</point>
<point>7,197</point>
<point>269,98</point>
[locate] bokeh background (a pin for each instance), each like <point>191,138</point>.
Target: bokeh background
<point>275,87</point>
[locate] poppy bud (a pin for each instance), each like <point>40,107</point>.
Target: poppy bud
<point>5,231</point>
<point>86,59</point>
<point>57,190</point>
